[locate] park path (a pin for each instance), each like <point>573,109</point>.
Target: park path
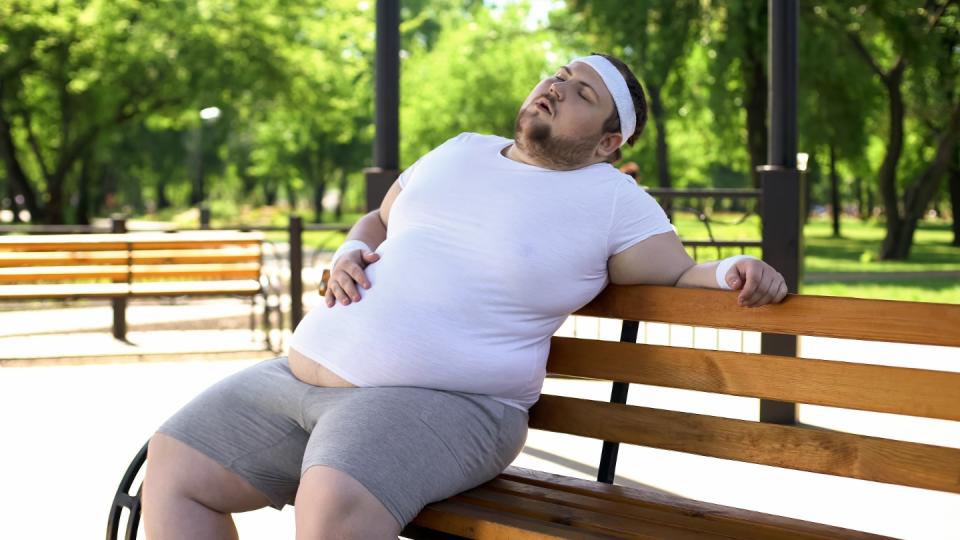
<point>68,432</point>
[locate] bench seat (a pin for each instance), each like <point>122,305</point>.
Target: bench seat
<point>523,503</point>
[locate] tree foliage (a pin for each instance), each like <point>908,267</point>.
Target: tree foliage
<point>99,99</point>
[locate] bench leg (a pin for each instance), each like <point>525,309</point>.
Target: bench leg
<point>266,322</point>
<point>120,318</point>
<point>253,318</point>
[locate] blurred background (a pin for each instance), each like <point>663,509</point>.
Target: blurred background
<point>254,110</point>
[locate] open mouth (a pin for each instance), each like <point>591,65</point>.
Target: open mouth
<point>544,105</point>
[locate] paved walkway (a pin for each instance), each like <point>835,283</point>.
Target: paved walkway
<point>70,430</point>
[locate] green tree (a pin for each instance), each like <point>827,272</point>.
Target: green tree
<point>836,101</point>
<point>735,33</point>
<point>72,72</point>
<point>441,95</point>
<point>654,36</point>
<point>892,38</point>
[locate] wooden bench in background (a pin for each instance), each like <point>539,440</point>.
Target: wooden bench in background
<point>524,503</point>
<point>123,266</point>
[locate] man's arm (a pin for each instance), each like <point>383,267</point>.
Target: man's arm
<point>662,260</point>
<point>347,271</point>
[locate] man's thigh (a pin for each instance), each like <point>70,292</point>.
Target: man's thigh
<point>249,423</point>
<point>174,468</point>
<point>411,446</point>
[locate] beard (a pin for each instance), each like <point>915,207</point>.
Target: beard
<point>535,137</point>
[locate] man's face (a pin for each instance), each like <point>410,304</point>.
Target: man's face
<point>561,121</point>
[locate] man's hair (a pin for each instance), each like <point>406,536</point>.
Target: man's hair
<point>612,123</point>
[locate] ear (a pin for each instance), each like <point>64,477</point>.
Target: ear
<point>608,144</point>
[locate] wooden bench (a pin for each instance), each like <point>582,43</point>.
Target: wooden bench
<point>524,503</point>
<point>133,265</point>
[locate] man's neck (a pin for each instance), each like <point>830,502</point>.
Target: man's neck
<point>515,153</point>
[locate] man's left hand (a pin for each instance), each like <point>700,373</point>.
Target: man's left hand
<point>759,284</point>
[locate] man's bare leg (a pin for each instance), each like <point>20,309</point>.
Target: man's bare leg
<point>187,495</point>
<point>332,504</point>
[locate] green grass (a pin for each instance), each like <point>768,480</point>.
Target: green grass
<point>855,251</point>
<point>944,291</point>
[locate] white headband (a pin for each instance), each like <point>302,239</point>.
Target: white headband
<point>617,86</point>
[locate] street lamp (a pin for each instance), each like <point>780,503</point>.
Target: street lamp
<point>208,115</point>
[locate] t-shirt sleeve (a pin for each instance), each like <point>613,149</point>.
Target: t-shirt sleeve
<point>636,217</point>
<point>411,172</point>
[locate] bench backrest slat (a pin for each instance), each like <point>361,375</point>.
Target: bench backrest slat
<point>821,451</point>
<point>848,385</point>
<point>903,322</point>
<point>130,257</point>
<point>915,392</point>
<point>59,273</point>
<point>13,259</point>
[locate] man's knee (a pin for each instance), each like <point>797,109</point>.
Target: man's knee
<point>176,470</point>
<point>331,504</point>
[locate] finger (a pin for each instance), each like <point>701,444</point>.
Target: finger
<point>370,257</point>
<point>781,293</point>
<point>328,297</point>
<point>358,276</point>
<point>770,292</point>
<point>336,291</point>
<point>749,286</point>
<point>762,279</point>
<point>768,286</point>
<point>349,290</point>
<point>733,278</point>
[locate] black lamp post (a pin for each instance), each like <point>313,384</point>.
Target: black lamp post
<point>208,115</point>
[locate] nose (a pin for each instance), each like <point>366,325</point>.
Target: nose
<point>556,91</point>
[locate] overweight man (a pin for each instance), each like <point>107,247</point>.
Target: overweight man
<point>413,382</point>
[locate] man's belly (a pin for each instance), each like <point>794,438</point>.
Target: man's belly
<point>313,373</point>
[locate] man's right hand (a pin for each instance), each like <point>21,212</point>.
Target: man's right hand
<point>347,274</point>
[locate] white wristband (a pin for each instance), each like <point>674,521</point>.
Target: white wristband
<point>349,245</point>
<point>725,265</point>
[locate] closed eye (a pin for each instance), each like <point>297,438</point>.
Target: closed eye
<point>583,95</point>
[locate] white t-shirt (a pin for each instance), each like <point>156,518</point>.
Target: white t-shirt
<point>484,259</point>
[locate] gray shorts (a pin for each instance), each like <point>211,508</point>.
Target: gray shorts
<point>408,446</point>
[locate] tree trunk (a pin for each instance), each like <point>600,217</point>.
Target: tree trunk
<point>12,196</point>
<point>888,170</point>
<point>918,196</point>
<point>343,196</point>
<point>663,163</point>
<point>858,192</point>
<point>662,150</point>
<point>83,202</point>
<point>753,68</point>
<point>162,201</point>
<point>953,181</point>
<point>269,191</point>
<point>292,198</point>
<point>834,192</point>
<point>319,190</point>
<point>19,182</point>
<point>54,214</point>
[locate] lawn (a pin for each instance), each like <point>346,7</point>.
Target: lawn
<point>854,252</point>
